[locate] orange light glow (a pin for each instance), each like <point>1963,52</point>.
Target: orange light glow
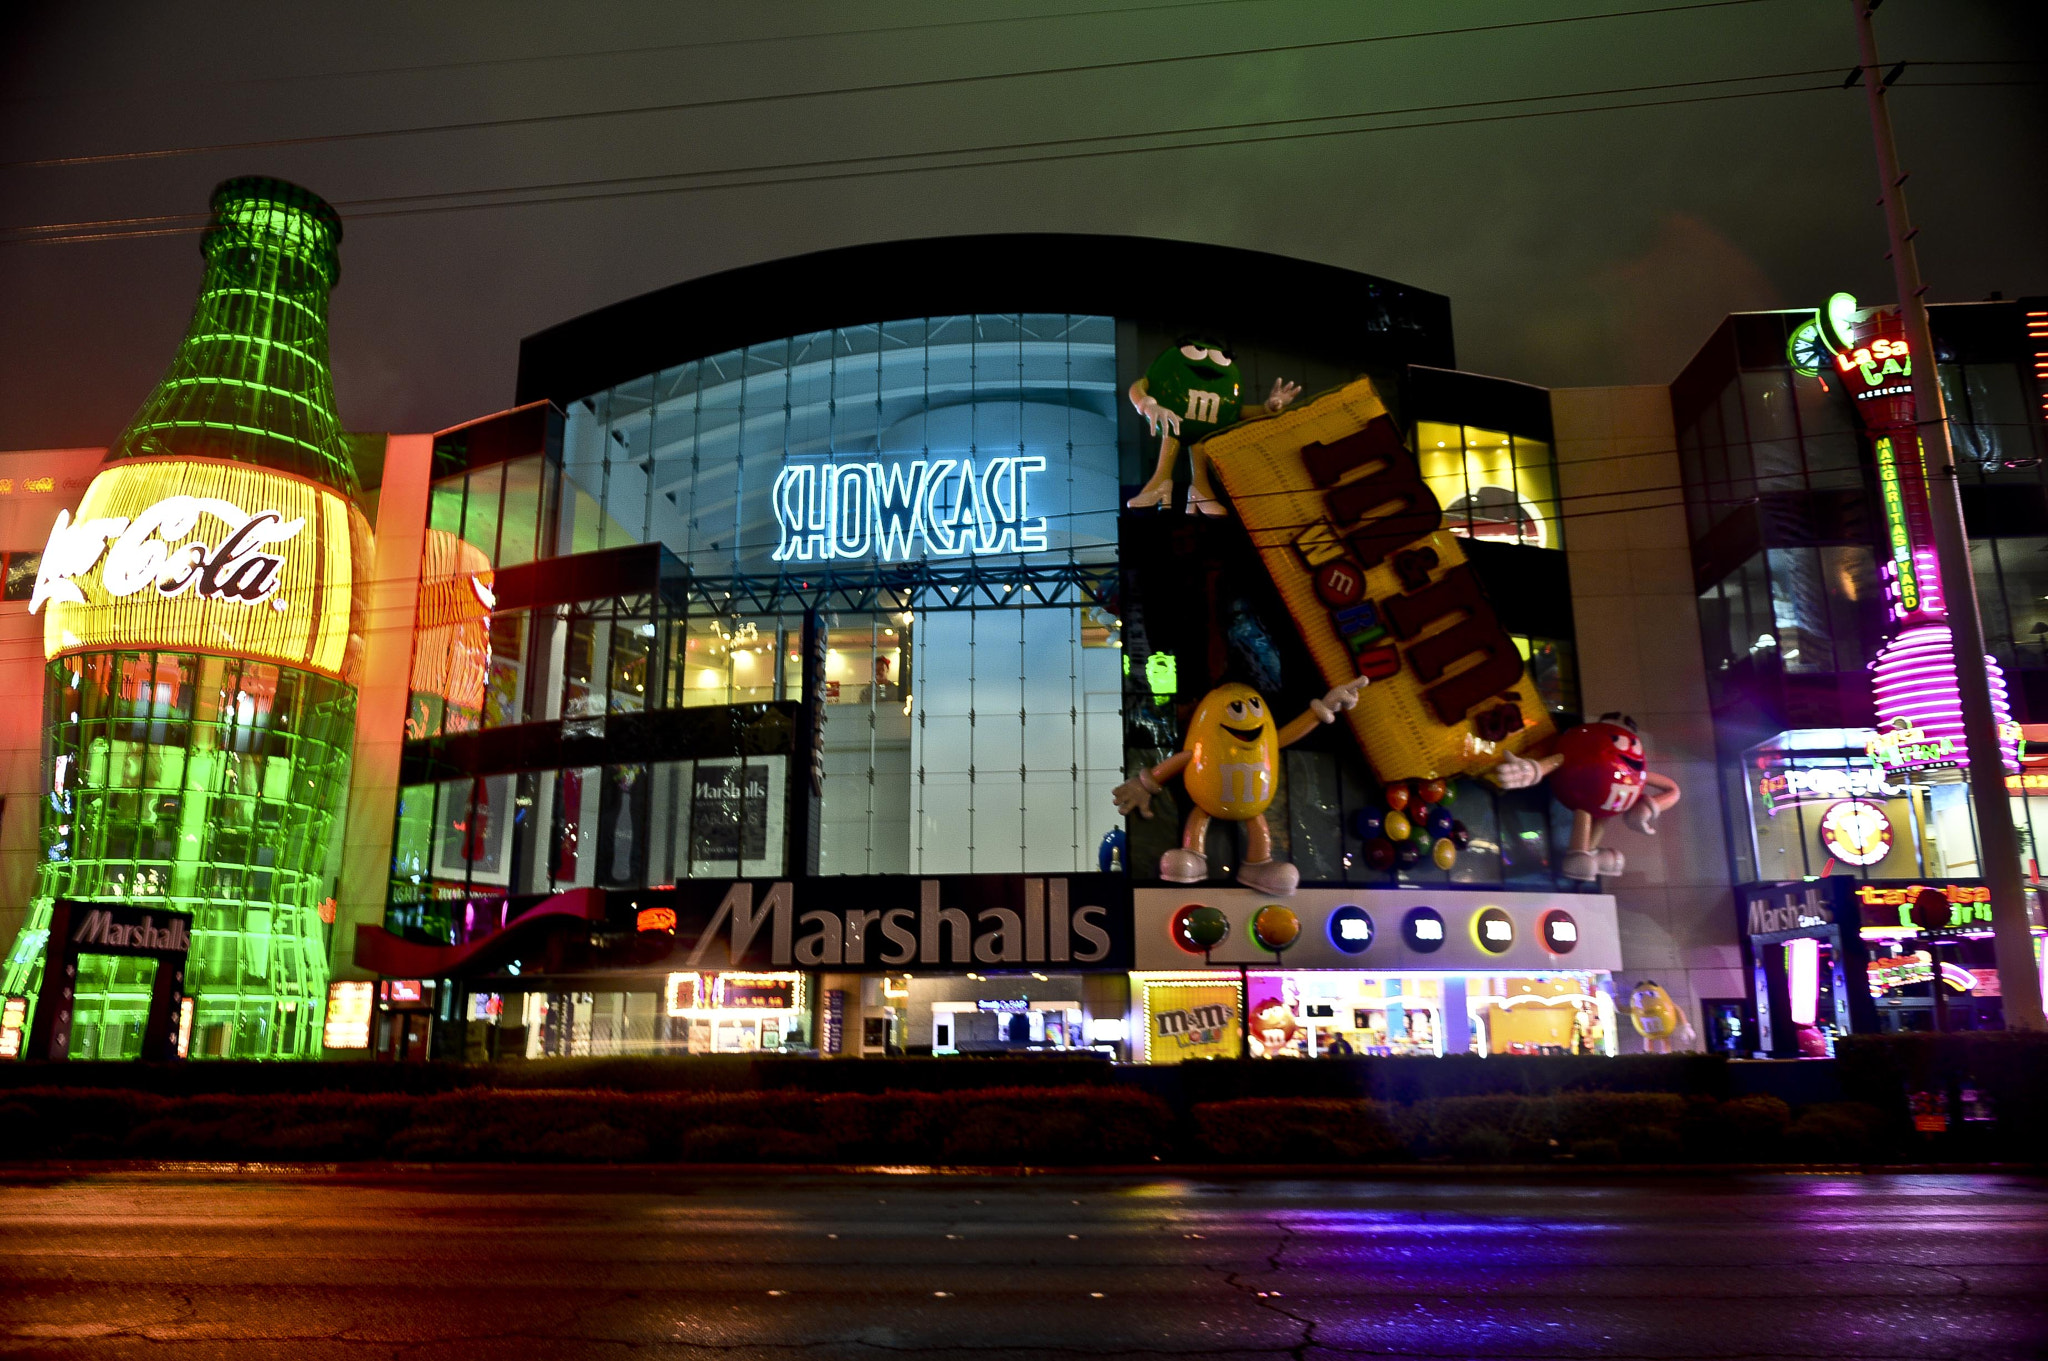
<point>452,651</point>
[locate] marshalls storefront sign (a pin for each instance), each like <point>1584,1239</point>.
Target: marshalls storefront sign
<point>952,923</point>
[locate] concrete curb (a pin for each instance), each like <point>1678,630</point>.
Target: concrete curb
<point>1153,1171</point>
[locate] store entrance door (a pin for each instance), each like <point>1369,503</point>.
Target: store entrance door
<point>84,928</point>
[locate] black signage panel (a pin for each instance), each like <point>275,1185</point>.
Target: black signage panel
<point>956,923</point>
<point>84,928</point>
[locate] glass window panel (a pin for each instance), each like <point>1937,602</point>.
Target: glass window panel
<point>519,536</point>
<point>1490,485</point>
<point>585,653</point>
<point>444,506</point>
<point>21,575</point>
<point>1989,420</point>
<point>1832,448</point>
<point>1855,604</point>
<point>1553,670</point>
<point>1741,463</point>
<point>1773,429</point>
<point>480,510</point>
<point>504,695</point>
<point>1692,472</point>
<point>1440,450</point>
<point>1799,607</point>
<point>1536,485</point>
<point>1713,439</point>
<point>891,395</point>
<point>2023,585</point>
<point>632,652</point>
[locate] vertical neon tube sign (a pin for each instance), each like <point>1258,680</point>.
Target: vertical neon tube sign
<point>1914,678</point>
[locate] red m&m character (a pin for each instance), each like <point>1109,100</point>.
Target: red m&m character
<point>1599,772</point>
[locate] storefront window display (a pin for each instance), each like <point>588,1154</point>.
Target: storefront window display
<point>1374,972</point>
<point>1837,955</point>
<point>1317,1013</point>
<point>1812,802</point>
<point>1941,979</point>
<point>727,1012</point>
<point>1008,1013</point>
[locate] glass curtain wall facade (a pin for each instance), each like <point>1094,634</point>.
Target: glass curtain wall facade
<point>937,495</point>
<point>972,732</point>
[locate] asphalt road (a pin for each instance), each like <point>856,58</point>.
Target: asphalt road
<point>595,1263</point>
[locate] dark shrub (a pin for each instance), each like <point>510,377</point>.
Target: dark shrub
<point>1477,1144</point>
<point>593,1143</point>
<point>1279,1130</point>
<point>1615,1115</point>
<point>1651,1144</point>
<point>1841,1131</point>
<point>1749,1128</point>
<point>1482,1128</point>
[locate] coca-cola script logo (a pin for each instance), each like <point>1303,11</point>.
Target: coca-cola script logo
<point>145,551</point>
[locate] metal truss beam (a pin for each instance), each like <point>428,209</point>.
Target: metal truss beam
<point>906,586</point>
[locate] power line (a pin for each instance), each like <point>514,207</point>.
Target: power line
<point>368,207</point>
<point>113,228</point>
<point>656,49</point>
<point>936,82</point>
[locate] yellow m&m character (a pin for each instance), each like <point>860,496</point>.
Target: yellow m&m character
<point>1230,761</point>
<point>1656,1017</point>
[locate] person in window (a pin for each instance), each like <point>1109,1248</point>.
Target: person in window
<point>1339,1048</point>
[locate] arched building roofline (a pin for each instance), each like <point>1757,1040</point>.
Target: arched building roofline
<point>1253,297</point>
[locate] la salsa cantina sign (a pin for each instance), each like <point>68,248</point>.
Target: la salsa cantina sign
<point>206,556</point>
<point>954,923</point>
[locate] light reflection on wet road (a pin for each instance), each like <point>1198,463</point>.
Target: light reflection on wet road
<point>594,1263</point>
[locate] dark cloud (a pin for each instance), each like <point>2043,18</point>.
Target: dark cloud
<point>1582,249</point>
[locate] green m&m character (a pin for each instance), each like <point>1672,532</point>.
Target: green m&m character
<point>1189,393</point>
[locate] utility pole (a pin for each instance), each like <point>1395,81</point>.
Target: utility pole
<point>1998,844</point>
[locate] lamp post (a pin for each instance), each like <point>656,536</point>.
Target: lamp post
<point>1998,842</point>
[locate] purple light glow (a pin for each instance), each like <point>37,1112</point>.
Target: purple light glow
<point>1914,678</point>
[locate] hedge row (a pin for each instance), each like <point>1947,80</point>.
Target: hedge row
<point>1587,1127</point>
<point>1180,1085</point>
<point>1005,1125</point>
<point>1002,1127</point>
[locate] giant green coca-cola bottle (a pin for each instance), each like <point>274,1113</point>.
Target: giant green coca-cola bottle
<point>203,613</point>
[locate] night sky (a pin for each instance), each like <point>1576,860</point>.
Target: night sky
<point>1584,248</point>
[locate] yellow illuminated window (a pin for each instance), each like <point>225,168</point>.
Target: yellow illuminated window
<point>1492,485</point>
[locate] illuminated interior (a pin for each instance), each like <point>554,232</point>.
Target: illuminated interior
<point>1311,1013</point>
<point>1492,485</point>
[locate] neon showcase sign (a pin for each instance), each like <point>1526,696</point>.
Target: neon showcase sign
<point>941,507</point>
